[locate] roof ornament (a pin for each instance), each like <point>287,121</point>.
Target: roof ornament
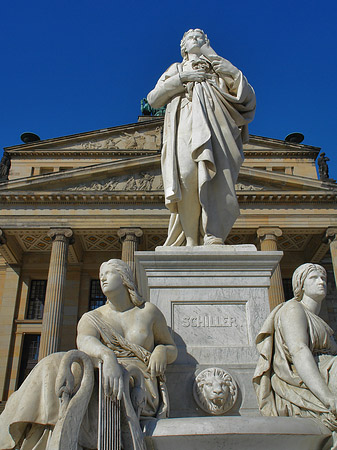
<point>294,138</point>
<point>27,138</point>
<point>147,110</point>
<point>323,168</point>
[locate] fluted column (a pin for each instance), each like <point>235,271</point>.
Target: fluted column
<point>130,239</point>
<point>331,235</point>
<point>268,239</point>
<point>52,314</point>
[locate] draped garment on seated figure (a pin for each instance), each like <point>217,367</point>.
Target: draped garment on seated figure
<point>36,403</point>
<point>280,391</point>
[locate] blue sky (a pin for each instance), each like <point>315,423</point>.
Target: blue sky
<point>74,66</point>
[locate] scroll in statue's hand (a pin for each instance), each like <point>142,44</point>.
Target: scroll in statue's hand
<point>113,379</point>
<point>158,361</point>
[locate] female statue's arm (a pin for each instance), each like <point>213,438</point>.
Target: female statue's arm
<point>88,341</point>
<point>295,333</point>
<point>165,350</point>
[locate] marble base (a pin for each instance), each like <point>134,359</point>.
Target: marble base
<point>215,299</point>
<point>244,433</point>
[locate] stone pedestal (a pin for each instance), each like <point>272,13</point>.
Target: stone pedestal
<point>52,314</point>
<point>215,299</point>
<point>242,433</point>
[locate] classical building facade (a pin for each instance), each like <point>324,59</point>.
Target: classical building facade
<point>71,203</point>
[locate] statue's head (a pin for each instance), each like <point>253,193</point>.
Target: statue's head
<point>301,274</point>
<point>200,37</point>
<point>125,273</point>
<point>215,391</point>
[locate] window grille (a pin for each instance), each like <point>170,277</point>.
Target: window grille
<point>36,299</point>
<point>97,298</point>
<point>30,355</point>
<point>287,288</point>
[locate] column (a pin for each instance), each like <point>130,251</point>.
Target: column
<point>7,313</point>
<point>52,314</point>
<point>331,235</point>
<point>130,239</point>
<point>268,239</point>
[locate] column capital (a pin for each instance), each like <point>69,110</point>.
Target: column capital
<point>129,234</point>
<point>269,233</point>
<point>331,234</point>
<point>61,234</point>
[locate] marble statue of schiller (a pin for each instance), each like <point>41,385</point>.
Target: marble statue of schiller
<point>209,105</point>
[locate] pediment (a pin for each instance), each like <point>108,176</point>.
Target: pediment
<point>143,173</point>
<point>138,136</point>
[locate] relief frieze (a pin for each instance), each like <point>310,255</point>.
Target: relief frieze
<point>143,181</point>
<point>148,140</point>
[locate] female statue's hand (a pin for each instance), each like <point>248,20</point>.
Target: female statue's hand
<point>158,361</point>
<point>113,378</point>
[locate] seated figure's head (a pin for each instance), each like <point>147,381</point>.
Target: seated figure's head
<point>301,274</point>
<point>124,271</point>
<point>215,391</point>
<point>200,39</point>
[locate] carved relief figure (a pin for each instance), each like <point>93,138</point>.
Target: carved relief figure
<point>215,391</point>
<point>209,105</point>
<point>296,373</point>
<point>130,338</point>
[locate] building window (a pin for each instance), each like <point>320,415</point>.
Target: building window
<point>36,299</point>
<point>97,298</point>
<point>46,170</point>
<point>287,288</point>
<point>30,355</point>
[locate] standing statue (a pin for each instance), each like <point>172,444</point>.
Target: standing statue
<point>296,374</point>
<point>57,406</point>
<point>323,168</point>
<point>5,165</point>
<point>209,105</point>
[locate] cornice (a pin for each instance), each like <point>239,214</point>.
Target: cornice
<point>92,197</point>
<point>82,152</point>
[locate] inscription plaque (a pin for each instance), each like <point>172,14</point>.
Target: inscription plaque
<point>211,324</point>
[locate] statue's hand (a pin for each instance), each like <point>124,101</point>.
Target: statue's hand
<point>158,361</point>
<point>198,75</point>
<point>224,67</point>
<point>113,379</point>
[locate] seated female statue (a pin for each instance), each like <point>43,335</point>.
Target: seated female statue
<point>296,374</point>
<point>127,336</point>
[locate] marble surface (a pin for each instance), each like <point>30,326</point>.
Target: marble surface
<point>296,344</point>
<point>209,105</point>
<point>215,302</point>
<point>244,433</point>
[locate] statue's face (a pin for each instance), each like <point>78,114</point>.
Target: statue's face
<point>194,41</point>
<point>110,279</point>
<point>315,286</point>
<point>216,390</point>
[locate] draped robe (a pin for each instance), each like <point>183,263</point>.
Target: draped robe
<point>36,403</point>
<point>214,114</point>
<point>280,390</point>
